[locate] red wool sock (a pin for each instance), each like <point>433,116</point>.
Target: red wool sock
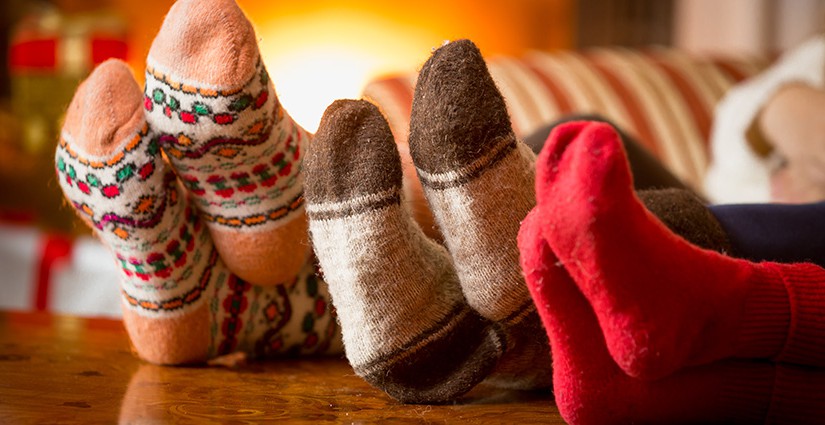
<point>663,303</point>
<point>591,389</point>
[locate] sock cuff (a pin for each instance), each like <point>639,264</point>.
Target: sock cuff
<point>805,344</point>
<point>766,315</point>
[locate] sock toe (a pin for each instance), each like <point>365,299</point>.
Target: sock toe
<point>355,134</point>
<point>206,42</point>
<point>456,99</point>
<point>105,110</point>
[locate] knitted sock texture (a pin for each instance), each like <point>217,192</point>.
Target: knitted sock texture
<point>177,292</point>
<point>126,193</point>
<point>236,150</point>
<point>662,303</point>
<point>406,327</point>
<point>590,388</point>
<point>477,177</point>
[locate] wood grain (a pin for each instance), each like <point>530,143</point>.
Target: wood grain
<point>58,369</point>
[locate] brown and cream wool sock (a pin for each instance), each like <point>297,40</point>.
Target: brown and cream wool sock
<point>406,326</point>
<point>476,176</point>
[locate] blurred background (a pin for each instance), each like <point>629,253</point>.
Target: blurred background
<point>318,51</point>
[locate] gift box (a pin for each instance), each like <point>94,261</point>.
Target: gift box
<point>49,54</point>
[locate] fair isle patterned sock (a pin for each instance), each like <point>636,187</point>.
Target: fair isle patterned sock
<point>294,318</point>
<point>110,169</point>
<point>406,327</point>
<point>181,304</point>
<point>232,144</point>
<point>478,180</point>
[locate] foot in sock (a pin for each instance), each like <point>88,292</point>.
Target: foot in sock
<point>234,147</point>
<point>663,303</point>
<point>110,169</point>
<point>181,303</point>
<point>590,388</point>
<point>468,159</point>
<point>476,176</point>
<point>406,326</point>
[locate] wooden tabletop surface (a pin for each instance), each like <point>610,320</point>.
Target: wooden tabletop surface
<point>61,369</point>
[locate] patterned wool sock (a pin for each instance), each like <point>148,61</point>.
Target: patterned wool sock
<point>406,326</point>
<point>230,141</point>
<point>110,169</point>
<point>477,177</point>
<point>181,304</point>
<point>590,388</point>
<point>663,303</point>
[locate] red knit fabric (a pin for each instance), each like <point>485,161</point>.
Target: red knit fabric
<point>661,302</point>
<point>591,389</point>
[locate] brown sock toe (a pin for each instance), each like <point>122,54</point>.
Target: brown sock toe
<point>455,99</point>
<point>352,133</point>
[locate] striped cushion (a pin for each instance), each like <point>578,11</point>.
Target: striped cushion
<point>662,96</point>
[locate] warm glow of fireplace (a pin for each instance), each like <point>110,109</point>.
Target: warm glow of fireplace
<point>321,50</point>
<point>319,58</point>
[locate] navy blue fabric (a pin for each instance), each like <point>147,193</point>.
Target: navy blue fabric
<point>785,233</point>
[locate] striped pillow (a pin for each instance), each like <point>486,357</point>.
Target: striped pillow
<point>662,96</point>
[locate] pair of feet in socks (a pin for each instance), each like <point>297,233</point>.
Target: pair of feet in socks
<point>645,327</point>
<point>195,184</point>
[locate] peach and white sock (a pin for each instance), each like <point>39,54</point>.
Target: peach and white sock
<point>111,170</point>
<point>181,302</point>
<point>237,151</point>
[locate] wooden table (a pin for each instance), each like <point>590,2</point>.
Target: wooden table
<point>60,369</point>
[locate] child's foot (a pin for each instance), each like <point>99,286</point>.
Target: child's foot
<point>234,147</point>
<point>591,389</point>
<point>663,303</point>
<point>407,328</point>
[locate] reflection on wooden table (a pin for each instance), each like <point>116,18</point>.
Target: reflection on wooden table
<point>57,369</point>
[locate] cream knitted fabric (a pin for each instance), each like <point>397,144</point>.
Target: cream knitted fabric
<point>406,327</point>
<point>737,174</point>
